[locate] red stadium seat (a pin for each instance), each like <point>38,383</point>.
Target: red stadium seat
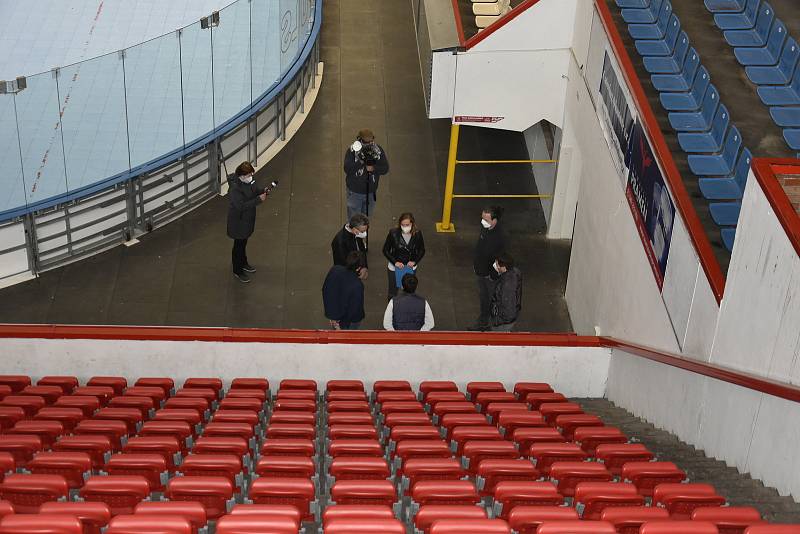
<point>545,454</point>
<point>166,446</point>
<point>352,432</point>
<point>344,385</point>
<point>590,437</point>
<point>355,511</point>
<point>526,519</point>
<point>462,434</point>
<point>430,513</point>
<point>94,516</point>
<point>358,468</point>
<point>243,393</point>
<point>179,430</point>
<point>285,466</point>
<point>391,385</point>
<point>120,493</point>
<point>132,417</point>
<point>348,406</point>
<point>445,492</point>
<point>30,404</point>
<point>68,417</point>
<point>475,451</point>
<point>492,471</point>
<point>153,467</point>
<point>297,394</point>
<point>295,405</point>
<point>567,475</point>
<point>436,397</point>
<point>222,430</point>
<point>535,400</point>
<point>485,397</point>
<point>494,409</point>
<point>527,436</point>
<point>729,519</point>
<point>354,447</point>
<point>429,386</point>
<point>348,418</point>
<point>647,475</point>
<point>390,407</point>
<point>474,388</point>
<point>576,527</point>
<point>204,382</point>
<point>378,492</point>
<point>452,420</point>
<point>179,414</point>
<point>257,524</point>
<point>114,430</point>
<point>293,383</point>
<point>15,382</point>
<point>236,416</point>
<point>117,383</point>
<point>198,404</point>
<point>418,469</point>
<point>166,384</point>
<point>49,393</point>
<point>247,383</point>
<point>510,494</point>
<point>345,395</point>
<point>88,404</point>
<point>195,512</point>
<point>7,464</point>
<point>9,416</point>
<point>417,432</point>
<point>551,410</point>
<point>214,493</point>
<point>444,408</point>
<point>511,420</point>
<point>594,497</point>
<point>680,500</point>
<point>614,456</point>
<point>283,430</point>
<point>22,447</point>
<point>421,448</point>
<point>40,524</point>
<point>387,396</point>
<point>672,526</point>
<point>401,419</point>
<point>292,418</point>
<point>48,431</point>
<point>157,394</point>
<point>285,510</point>
<point>95,446</point>
<point>628,519</point>
<point>151,523</point>
<point>365,526</point>
<point>208,394</point>
<point>213,465</point>
<point>288,447</point>
<point>5,391</point>
<point>70,465</point>
<point>298,492</point>
<point>224,445</point>
<point>101,393</point>
<point>27,492</point>
<point>523,389</point>
<point>470,526</point>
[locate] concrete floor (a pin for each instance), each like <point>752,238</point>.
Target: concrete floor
<point>180,274</point>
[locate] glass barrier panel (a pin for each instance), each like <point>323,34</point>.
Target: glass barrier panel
<point>40,138</point>
<point>231,53</point>
<point>265,41</point>
<point>12,186</point>
<point>289,32</point>
<point>153,91</point>
<point>198,91</point>
<point>93,117</point>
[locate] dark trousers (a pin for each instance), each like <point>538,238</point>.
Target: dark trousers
<point>485,291</point>
<point>239,255</point>
<point>392,284</point>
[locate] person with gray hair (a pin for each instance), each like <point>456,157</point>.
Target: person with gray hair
<point>352,238</point>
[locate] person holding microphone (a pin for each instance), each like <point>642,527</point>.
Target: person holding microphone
<point>243,196</point>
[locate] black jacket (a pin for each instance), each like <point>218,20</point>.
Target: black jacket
<point>343,296</point>
<point>395,248</point>
<point>490,244</point>
<point>345,242</point>
<point>507,298</point>
<point>359,180</point>
<point>243,199</point>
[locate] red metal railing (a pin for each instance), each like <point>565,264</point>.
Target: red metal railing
<point>765,170</point>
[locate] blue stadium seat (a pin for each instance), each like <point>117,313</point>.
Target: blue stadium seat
<point>682,81</point>
<point>711,141</point>
<point>640,4</point>
<point>661,47</point>
<point>728,187</point>
<point>786,116</point>
<point>781,95</point>
<point>780,74</point>
<point>725,213</point>
<point>697,121</point>
<point>757,36</point>
<point>671,64</point>
<point>765,55</point>
<point>653,31</point>
<point>718,164</point>
<point>739,21</point>
<point>690,101</point>
<point>646,15</point>
<point>725,6</point>
<point>792,137</point>
<point>728,236</point>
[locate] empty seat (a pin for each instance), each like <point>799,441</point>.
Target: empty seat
<point>444,408</point>
<point>166,384</point>
<point>94,516</point>
<point>352,432</point>
<point>223,430</point>
<point>346,395</point>
<point>428,514</point>
<point>728,519</point>
<point>594,497</point>
<point>114,430</point>
<point>551,410</point>
<point>567,475</point>
<point>380,492</point>
<point>120,493</point>
<point>214,493</point>
<point>132,417</point>
<point>204,393</point>
<point>151,523</point>
<point>15,382</point>
<point>729,187</point>
<point>250,382</point>
<point>527,436</point>
<point>462,434</point>
<point>354,511</point>
<point>157,394</point>
<point>670,62</point>
<point>293,383</point>
<point>195,512</point>
<point>290,447</point>
<point>22,447</point>
<point>204,382</point>
<point>445,492</point>
<point>297,394</point>
<point>358,468</point>
<point>682,81</point>
<point>421,448</point>
<point>68,417</point>
<point>9,416</point>
<point>30,404</point>
<point>536,398</point>
<point>40,524</point>
<point>284,430</point>
<point>483,398</point>
<point>298,492</point>
<point>544,454</point>
<point>290,417</point>
<point>364,526</point>
<point>215,465</point>
<point>94,445</point>
<point>494,409</point>
<point>285,466</point>
<point>680,500</point>
<point>475,451</point>
<point>452,420</point>
<point>628,519</point>
<point>27,492</point>
<point>235,416</point>
<point>265,510</point>
<point>167,446</point>
<point>344,385</point>
<point>470,526</point>
<point>257,524</point>
<point>523,389</point>
<point>509,494</point>
<point>391,385</point>
<point>614,456</point>
<point>526,519</point>
<point>492,471</point>
<point>255,405</point>
<point>567,424</point>
<point>756,36</point>
<point>672,526</point>
<point>180,430</point>
<point>199,404</point>
<point>429,386</point>
<point>153,467</point>
<point>70,465</point>
<point>474,388</point>
<point>47,431</point>
<point>576,527</point>
<point>352,418</point>
<point>179,414</point>
<point>647,475</point>
<point>391,407</point>
<point>590,437</point>
<point>417,469</point>
<point>355,447</point>
<point>116,383</point>
<point>86,403</point>
<point>435,397</point>
<point>7,464</point>
<point>509,421</point>
<point>350,406</point>
<point>49,393</point>
<point>101,393</point>
<point>380,398</point>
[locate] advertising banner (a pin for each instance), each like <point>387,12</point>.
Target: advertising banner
<point>617,119</point>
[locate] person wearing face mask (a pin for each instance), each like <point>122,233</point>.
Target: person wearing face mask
<point>352,238</point>
<point>404,247</point>
<point>343,294</point>
<point>243,196</point>
<point>408,311</point>
<point>507,297</point>
<point>364,163</point>
<point>491,243</point>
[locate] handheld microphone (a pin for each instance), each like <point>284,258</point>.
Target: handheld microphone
<point>272,185</point>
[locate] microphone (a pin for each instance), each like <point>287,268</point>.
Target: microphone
<point>272,185</point>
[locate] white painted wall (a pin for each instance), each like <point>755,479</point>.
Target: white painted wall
<point>754,432</point>
<point>544,174</point>
<point>547,25</point>
<point>574,371</point>
<point>759,325</point>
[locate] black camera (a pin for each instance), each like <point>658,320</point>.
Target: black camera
<point>369,154</point>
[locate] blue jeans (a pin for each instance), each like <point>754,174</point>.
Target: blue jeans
<point>357,203</point>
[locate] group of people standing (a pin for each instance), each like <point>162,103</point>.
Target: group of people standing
<point>499,280</point>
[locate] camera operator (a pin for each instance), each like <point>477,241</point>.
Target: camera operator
<point>364,163</point>
<point>244,195</point>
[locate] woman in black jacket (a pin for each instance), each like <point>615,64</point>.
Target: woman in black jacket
<point>244,195</point>
<point>404,247</point>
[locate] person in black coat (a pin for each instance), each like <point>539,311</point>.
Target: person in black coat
<point>364,163</point>
<point>491,244</point>
<point>243,196</point>
<point>507,297</point>
<point>343,294</point>
<point>351,238</point>
<point>404,247</point>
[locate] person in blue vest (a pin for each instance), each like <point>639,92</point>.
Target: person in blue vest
<point>408,311</point>
<point>343,293</point>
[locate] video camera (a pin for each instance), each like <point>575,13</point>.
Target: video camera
<point>367,153</point>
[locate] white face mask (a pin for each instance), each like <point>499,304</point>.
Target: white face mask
<point>406,229</point>
<point>247,179</point>
<point>362,235</point>
<point>496,267</point>
<point>485,224</point>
